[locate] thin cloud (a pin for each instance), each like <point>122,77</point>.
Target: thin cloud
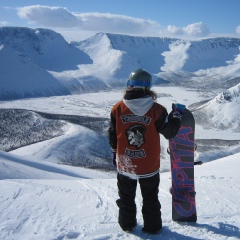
<point>238,29</point>
<point>49,16</point>
<point>117,23</point>
<point>59,17</point>
<point>4,23</point>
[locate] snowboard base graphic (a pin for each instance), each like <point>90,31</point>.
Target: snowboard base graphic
<point>182,170</point>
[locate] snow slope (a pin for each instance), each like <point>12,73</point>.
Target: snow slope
<point>42,201</point>
<point>27,56</point>
<point>203,54</point>
<point>90,107</point>
<point>223,111</point>
<point>167,54</point>
<point>30,78</point>
<point>45,47</point>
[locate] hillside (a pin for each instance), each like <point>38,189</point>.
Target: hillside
<point>45,47</point>
<point>42,198</point>
<point>39,200</point>
<point>28,55</point>
<point>86,144</point>
<point>105,60</point>
<point>222,111</point>
<point>167,54</point>
<point>20,77</point>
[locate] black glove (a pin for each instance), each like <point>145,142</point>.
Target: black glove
<point>178,110</point>
<point>114,157</point>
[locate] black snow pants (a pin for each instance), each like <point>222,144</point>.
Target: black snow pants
<point>151,208</point>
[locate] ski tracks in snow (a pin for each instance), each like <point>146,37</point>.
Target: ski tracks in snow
<point>75,209</point>
<point>103,196</point>
<point>85,208</point>
<point>62,209</point>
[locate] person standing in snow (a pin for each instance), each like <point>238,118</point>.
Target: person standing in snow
<point>135,124</point>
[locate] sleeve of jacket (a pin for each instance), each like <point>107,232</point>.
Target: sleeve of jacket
<point>112,134</point>
<point>167,125</point>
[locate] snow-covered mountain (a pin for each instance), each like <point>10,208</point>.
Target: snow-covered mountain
<point>166,54</point>
<point>222,112</point>
<point>39,62</point>
<point>115,56</point>
<point>20,77</point>
<point>45,47</point>
<point>27,56</point>
<point>35,57</point>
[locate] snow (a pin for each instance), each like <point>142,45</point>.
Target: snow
<point>46,65</point>
<point>223,110</point>
<point>42,84</point>
<point>62,185</point>
<point>176,58</point>
<point>44,203</point>
<point>226,107</point>
<point>41,199</point>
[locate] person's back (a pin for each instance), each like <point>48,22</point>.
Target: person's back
<point>136,122</point>
<point>138,145</point>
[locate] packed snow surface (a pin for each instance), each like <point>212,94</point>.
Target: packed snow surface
<point>39,201</point>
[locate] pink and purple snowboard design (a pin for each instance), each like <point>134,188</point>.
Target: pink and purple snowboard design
<point>182,169</point>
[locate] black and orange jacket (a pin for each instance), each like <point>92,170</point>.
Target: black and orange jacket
<point>136,137</point>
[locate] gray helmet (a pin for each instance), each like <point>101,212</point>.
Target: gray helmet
<point>140,78</point>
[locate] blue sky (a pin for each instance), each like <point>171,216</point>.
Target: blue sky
<point>79,19</point>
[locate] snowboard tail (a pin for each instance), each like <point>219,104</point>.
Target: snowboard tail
<point>182,169</point>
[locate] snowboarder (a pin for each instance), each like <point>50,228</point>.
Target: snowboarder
<point>135,124</point>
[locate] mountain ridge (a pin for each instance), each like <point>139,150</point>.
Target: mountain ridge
<point>105,61</point>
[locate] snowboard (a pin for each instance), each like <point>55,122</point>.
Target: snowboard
<point>182,170</point>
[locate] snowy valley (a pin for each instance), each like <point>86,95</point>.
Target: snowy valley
<point>55,101</point>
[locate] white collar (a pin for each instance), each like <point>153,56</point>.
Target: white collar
<point>139,106</point>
